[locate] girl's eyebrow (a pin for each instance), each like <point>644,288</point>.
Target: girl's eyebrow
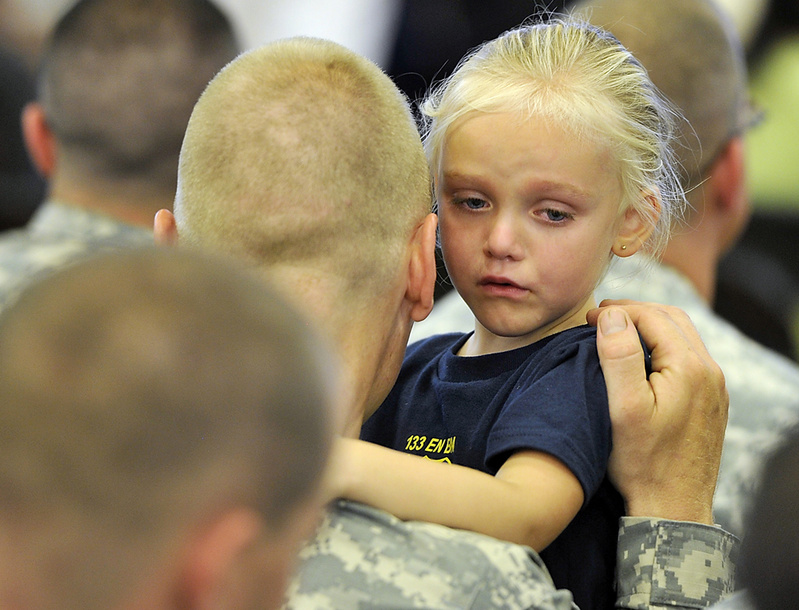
<point>463,179</point>
<point>456,175</point>
<point>548,186</point>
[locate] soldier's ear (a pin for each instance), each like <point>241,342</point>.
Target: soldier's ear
<point>39,139</point>
<point>422,269</point>
<point>165,229</point>
<point>212,555</point>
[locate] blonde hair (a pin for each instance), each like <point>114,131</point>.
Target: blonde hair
<point>304,151</point>
<point>581,77</point>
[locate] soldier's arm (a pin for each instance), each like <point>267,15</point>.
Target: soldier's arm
<point>668,431</point>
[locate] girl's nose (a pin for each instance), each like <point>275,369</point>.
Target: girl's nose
<point>503,240</point>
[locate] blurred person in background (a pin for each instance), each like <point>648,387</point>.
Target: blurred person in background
<point>770,554</point>
<point>774,148</point>
<point>117,82</point>
<point>760,276</point>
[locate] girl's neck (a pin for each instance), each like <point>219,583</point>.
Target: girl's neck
<point>483,341</point>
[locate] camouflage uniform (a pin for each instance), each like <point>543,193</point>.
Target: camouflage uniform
<point>763,385</point>
<point>363,558</point>
<point>58,234</point>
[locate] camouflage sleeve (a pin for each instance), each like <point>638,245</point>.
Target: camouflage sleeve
<point>673,564</point>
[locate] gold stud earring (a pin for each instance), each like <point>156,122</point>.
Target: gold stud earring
<point>624,247</point>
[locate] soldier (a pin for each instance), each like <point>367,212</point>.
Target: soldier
<point>165,425</point>
<point>303,159</point>
<point>117,83</point>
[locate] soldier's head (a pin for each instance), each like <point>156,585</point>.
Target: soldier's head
<point>117,82</point>
<point>165,425</point>
<point>303,159</point>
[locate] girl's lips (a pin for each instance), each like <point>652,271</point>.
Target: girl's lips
<point>502,287</point>
<point>497,279</point>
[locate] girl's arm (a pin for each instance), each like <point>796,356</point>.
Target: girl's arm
<point>530,501</point>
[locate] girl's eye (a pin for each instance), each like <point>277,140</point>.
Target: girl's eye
<point>472,203</point>
<point>557,215</point>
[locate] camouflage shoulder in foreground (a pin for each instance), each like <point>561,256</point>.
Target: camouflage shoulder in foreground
<point>674,564</point>
<point>364,558</point>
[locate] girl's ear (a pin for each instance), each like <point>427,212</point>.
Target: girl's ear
<point>635,227</point>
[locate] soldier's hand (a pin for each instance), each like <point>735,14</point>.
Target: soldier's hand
<point>668,430</point>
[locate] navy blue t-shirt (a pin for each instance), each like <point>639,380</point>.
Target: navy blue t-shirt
<point>476,411</point>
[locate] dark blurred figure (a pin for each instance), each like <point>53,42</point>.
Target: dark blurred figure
<point>22,188</point>
<point>758,282</point>
<point>769,565</point>
<point>433,36</point>
<point>22,29</point>
<point>781,20</point>
<point>145,465</point>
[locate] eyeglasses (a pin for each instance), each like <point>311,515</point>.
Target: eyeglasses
<point>749,117</point>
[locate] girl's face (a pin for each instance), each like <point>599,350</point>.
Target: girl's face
<point>528,215</point>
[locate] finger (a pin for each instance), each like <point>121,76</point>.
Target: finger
<point>622,360</point>
<point>666,330</point>
<point>650,315</point>
<point>679,357</point>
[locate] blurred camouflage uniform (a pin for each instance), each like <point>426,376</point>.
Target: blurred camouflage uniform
<point>763,385</point>
<point>364,558</point>
<point>58,234</point>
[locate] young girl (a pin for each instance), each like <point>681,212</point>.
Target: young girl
<point>549,151</point>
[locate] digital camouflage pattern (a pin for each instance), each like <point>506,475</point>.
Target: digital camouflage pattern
<point>763,385</point>
<point>363,558</point>
<point>671,564</point>
<point>56,235</point>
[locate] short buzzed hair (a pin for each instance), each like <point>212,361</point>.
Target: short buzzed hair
<point>693,55</point>
<point>301,151</point>
<point>142,393</point>
<point>119,78</point>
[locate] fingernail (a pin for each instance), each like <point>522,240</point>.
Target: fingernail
<point>612,321</point>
